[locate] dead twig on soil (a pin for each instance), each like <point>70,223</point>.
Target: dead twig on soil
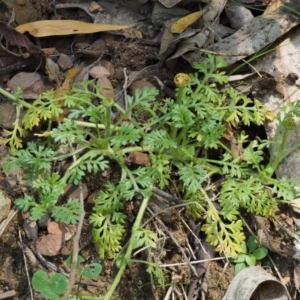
<point>166,195</point>
<point>173,239</point>
<point>125,88</point>
<point>5,222</point>
<point>75,242</point>
<point>21,245</point>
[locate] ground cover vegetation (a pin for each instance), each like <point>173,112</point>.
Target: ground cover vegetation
<point>177,134</point>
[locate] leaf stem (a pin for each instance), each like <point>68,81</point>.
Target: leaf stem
<point>129,250</point>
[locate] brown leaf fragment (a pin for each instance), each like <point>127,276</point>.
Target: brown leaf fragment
<point>14,38</point>
<point>266,240</point>
<point>10,63</point>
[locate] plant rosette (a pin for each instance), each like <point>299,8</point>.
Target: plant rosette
<point>250,255</point>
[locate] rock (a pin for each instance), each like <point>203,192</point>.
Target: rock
<point>7,114</point>
<point>5,204</point>
<point>31,84</point>
<point>58,233</point>
<point>65,62</point>
<point>31,229</point>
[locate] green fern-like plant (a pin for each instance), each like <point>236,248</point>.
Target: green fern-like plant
<point>176,133</point>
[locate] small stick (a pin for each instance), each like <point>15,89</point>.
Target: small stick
<point>166,195</point>
<point>75,242</point>
<point>125,89</point>
<point>21,245</point>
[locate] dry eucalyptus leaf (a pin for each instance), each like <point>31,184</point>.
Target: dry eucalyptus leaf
<point>65,27</point>
<point>180,25</point>
<point>252,37</point>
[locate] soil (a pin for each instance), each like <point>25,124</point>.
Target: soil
<point>134,55</point>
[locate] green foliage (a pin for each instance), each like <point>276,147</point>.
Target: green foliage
<point>51,287</point>
<point>55,285</point>
<point>143,238</point>
<point>34,160</point>
<point>48,188</point>
<point>90,271</point>
<point>178,135</point>
<point>250,254</point>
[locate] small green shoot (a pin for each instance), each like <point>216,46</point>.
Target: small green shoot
<point>250,255</point>
<point>90,271</point>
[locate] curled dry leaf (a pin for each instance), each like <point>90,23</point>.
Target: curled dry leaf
<point>255,283</point>
<point>295,204</point>
<point>65,27</point>
<point>14,38</point>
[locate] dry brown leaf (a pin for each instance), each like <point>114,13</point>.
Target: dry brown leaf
<point>65,27</point>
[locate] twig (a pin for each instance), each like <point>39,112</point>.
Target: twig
<point>166,195</point>
<point>167,296</point>
<point>279,276</point>
<point>174,240</point>
<point>75,243</point>
<point>5,222</point>
<point>125,89</point>
<point>21,245</point>
<point>269,257</point>
<point>193,262</point>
